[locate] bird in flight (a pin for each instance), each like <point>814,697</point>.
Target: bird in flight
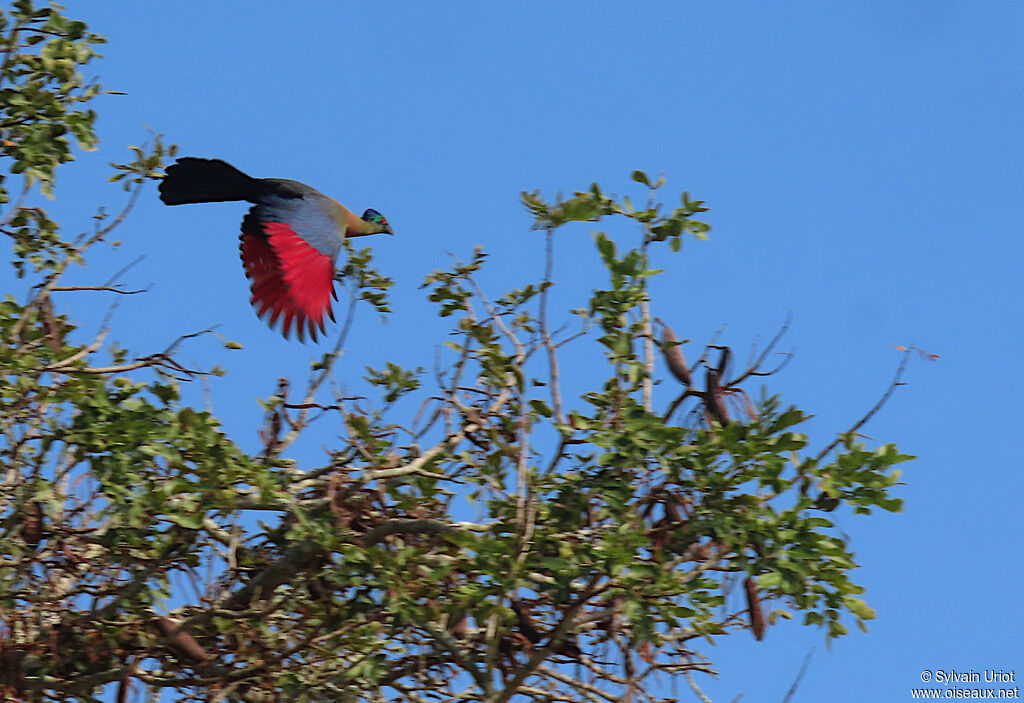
<point>290,239</point>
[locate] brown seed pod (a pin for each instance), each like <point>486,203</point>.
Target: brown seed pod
<point>754,607</point>
<point>674,358</point>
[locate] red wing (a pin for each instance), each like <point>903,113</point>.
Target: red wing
<point>290,278</point>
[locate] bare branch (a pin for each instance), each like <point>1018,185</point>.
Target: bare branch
<point>648,335</point>
<point>25,188</point>
<point>695,688</point>
<point>420,526</point>
<point>301,421</point>
<point>753,368</point>
<point>62,266</point>
<point>546,283</point>
<point>896,381</point>
<point>492,314</point>
<point>111,289</point>
<point>799,677</point>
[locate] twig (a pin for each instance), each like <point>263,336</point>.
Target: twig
<point>318,406</point>
<point>799,677</point>
<point>752,369</point>
<point>93,346</point>
<point>577,684</point>
<point>554,640</point>
<point>111,289</point>
<point>300,422</point>
<point>109,284</point>
<point>159,360</point>
<point>124,269</point>
<point>449,643</point>
<point>25,188</point>
<point>695,688</point>
<point>878,406</point>
<point>493,314</point>
<point>557,455</point>
<point>680,399</point>
<point>556,393</point>
<point>525,511</point>
<point>60,268</point>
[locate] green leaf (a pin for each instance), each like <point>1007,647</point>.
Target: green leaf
<point>189,522</point>
<point>605,246</point>
<point>541,408</point>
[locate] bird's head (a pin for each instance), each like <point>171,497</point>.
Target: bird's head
<point>378,221</point>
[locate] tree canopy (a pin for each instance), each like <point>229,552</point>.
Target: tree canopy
<point>505,541</point>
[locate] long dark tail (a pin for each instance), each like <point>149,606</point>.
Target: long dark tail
<point>192,180</point>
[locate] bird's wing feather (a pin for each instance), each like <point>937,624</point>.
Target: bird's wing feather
<point>290,260</point>
<point>313,216</point>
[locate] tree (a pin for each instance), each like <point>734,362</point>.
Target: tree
<point>610,528</point>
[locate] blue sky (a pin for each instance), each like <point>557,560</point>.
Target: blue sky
<point>864,167</point>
